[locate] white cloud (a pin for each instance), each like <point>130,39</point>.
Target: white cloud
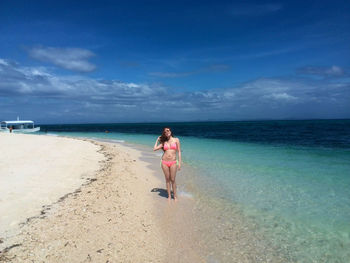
<point>281,96</point>
<point>3,62</point>
<point>335,71</point>
<point>37,82</point>
<point>75,59</point>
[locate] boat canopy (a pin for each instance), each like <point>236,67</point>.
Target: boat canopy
<point>16,122</point>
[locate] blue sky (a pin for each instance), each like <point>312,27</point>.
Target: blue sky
<point>135,61</point>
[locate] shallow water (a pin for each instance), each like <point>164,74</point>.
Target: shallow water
<point>265,200</point>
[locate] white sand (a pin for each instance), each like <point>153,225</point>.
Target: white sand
<point>37,171</point>
<point>110,219</point>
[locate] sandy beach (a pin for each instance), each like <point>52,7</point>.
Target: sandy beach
<point>75,200</point>
<point>103,212</point>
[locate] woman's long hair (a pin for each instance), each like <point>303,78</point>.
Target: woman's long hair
<point>163,137</point>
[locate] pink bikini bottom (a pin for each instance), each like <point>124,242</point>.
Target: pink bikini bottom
<point>169,163</point>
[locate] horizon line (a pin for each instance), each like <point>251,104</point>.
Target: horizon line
<point>193,121</point>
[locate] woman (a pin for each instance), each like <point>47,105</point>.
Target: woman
<point>169,164</point>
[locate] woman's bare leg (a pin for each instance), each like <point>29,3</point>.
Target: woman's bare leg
<point>173,170</point>
<point>166,172</point>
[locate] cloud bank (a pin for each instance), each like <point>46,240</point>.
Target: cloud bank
<point>73,98</point>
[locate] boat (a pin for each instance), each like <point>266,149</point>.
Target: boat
<point>18,126</point>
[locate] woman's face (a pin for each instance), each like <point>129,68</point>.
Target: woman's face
<point>167,132</point>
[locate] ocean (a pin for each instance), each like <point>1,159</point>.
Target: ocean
<point>287,183</point>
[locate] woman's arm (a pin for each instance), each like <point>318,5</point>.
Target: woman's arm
<point>179,153</point>
<point>156,146</point>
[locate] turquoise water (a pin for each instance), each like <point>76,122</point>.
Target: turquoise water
<point>298,196</point>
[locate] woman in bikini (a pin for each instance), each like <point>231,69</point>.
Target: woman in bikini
<point>169,164</point>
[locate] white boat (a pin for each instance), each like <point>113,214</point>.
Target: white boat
<point>18,126</point>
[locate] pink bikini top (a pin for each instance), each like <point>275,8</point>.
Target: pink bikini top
<point>172,146</point>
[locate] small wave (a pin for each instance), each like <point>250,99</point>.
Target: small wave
<point>119,141</point>
<point>107,140</point>
<point>185,194</point>
<point>52,134</point>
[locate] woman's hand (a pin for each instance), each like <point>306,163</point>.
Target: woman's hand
<point>179,167</point>
<point>156,146</point>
